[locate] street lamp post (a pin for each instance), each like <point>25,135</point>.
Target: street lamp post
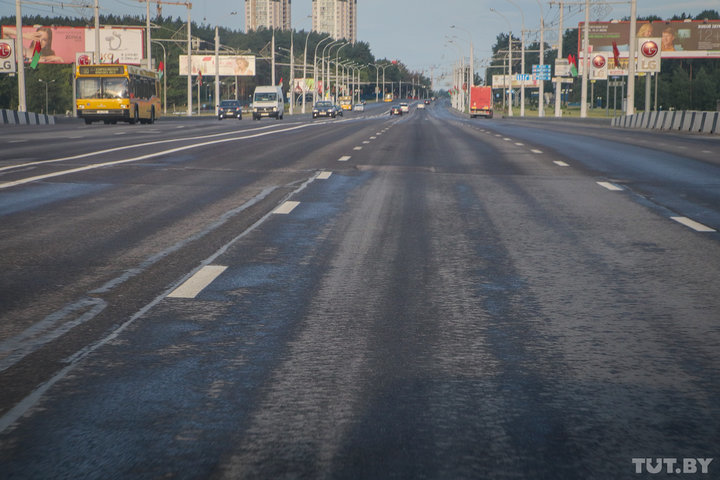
<point>471,80</point>
<point>47,108</point>
<point>164,76</point>
<point>541,94</point>
<point>522,61</point>
<point>322,64</point>
<point>510,41</point>
<point>315,77</point>
<point>383,82</point>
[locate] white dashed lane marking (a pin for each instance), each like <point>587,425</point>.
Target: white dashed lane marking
<point>192,287</point>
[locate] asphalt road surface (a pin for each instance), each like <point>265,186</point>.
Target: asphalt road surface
<point>371,297</point>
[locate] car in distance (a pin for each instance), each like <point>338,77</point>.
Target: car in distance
<point>396,110</point>
<point>404,107</point>
<point>230,109</point>
<point>421,106</point>
<point>325,108</point>
<point>359,107</point>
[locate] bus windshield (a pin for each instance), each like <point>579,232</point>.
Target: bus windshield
<point>108,87</point>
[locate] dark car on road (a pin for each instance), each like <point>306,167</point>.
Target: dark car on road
<point>396,110</point>
<point>230,109</point>
<point>325,108</point>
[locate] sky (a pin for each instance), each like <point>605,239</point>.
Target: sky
<point>417,33</point>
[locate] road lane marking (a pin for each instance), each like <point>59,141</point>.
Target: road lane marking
<point>344,158</point>
<point>560,163</point>
<point>192,287</point>
<point>534,150</point>
<point>324,175</point>
<point>698,227</point>
<point>286,207</point>
<point>519,144</point>
<point>610,186</point>
<point>366,142</point>
<point>357,148</point>
<point>134,159</point>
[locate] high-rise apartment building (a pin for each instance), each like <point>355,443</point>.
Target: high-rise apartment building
<point>336,17</point>
<point>271,14</point>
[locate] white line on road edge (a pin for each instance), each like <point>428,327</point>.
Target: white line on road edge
<point>27,403</point>
<point>198,282</point>
<point>286,207</point>
<point>560,163</point>
<point>610,186</point>
<point>344,158</point>
<point>698,227</point>
<point>142,157</point>
<point>324,175</point>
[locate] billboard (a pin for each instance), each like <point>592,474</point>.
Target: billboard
<point>62,44</point>
<point>7,57</point>
<point>230,65</point>
<point>679,39</point>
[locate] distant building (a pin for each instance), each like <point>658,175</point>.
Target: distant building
<point>336,17</point>
<point>270,14</point>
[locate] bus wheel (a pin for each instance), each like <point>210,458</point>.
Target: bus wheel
<point>135,118</point>
<point>152,116</point>
<point>88,121</point>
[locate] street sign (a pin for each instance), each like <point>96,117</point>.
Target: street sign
<point>523,77</point>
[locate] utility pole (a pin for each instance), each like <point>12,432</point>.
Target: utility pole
<point>558,83</point>
<point>586,48</point>
<point>20,56</point>
<point>631,67</point>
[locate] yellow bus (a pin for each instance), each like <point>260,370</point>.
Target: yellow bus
<point>389,97</point>
<point>346,102</point>
<point>114,92</point>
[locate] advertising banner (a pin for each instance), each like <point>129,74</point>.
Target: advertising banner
<point>598,67</point>
<point>649,55</point>
<point>230,65</point>
<point>678,39</point>
<point>62,44</point>
<point>7,56</point>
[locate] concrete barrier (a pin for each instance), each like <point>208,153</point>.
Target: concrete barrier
<point>685,121</point>
<point>13,117</point>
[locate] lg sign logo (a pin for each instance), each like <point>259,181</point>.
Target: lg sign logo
<point>599,61</point>
<point>7,62</point>
<point>5,51</point>
<point>650,49</point>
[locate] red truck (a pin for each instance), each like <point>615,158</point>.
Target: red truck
<point>481,102</point>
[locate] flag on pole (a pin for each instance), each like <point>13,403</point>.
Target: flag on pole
<point>573,65</point>
<point>281,81</point>
<point>36,55</point>
<point>616,54</point>
<point>200,78</point>
<point>161,70</point>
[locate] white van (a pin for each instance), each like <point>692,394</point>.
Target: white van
<point>268,102</point>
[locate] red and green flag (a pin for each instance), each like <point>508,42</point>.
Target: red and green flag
<point>573,65</point>
<point>161,69</point>
<point>36,55</point>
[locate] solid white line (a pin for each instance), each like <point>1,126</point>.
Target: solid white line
<point>127,147</point>
<point>610,186</point>
<point>286,207</point>
<point>198,282</point>
<point>142,157</point>
<point>536,151</point>
<point>698,227</point>
<point>344,158</point>
<point>560,163</point>
<point>324,175</point>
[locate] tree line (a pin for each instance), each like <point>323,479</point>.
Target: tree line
<point>56,79</point>
<point>683,84</point>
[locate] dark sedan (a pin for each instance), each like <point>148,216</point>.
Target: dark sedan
<point>325,108</point>
<point>230,109</point>
<point>396,110</point>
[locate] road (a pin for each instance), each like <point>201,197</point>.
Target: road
<point>425,296</point>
